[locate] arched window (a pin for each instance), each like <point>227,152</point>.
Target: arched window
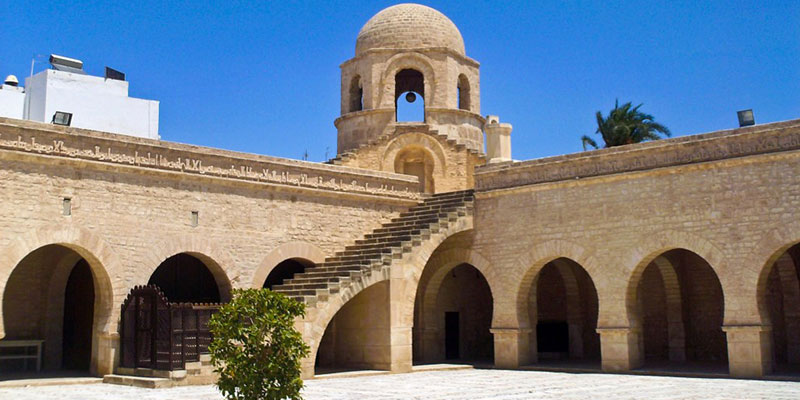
<point>409,85</point>
<point>356,94</point>
<point>463,92</point>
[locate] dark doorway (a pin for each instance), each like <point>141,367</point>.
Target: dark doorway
<point>78,318</point>
<point>552,337</point>
<point>184,278</point>
<point>451,336</point>
<point>285,271</point>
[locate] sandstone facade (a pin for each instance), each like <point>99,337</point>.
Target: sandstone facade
<point>410,246</point>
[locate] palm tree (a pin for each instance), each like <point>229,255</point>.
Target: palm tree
<point>626,125</point>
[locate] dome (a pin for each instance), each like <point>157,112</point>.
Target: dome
<point>409,26</point>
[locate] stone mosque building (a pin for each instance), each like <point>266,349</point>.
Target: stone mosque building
<point>417,244</point>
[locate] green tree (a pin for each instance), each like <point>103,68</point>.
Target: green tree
<point>255,348</point>
<point>625,125</point>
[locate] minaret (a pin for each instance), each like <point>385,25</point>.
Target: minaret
<point>404,52</point>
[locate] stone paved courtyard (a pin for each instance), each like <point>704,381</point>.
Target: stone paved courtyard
<point>462,384</point>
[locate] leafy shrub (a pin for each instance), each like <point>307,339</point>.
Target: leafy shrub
<point>255,348</point>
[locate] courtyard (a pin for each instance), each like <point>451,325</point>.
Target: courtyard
<point>458,384</point>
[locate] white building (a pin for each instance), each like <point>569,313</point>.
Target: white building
<point>98,103</point>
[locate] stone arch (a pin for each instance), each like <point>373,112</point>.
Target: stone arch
<point>398,62</point>
<point>104,265</point>
<point>319,317</point>
<point>420,142</point>
<point>760,261</point>
<point>690,271</point>
<point>531,263</point>
<point>772,259</point>
<point>656,244</point>
<point>421,297</point>
<point>444,262</point>
<point>521,316</point>
<point>298,249</point>
<point>216,259</point>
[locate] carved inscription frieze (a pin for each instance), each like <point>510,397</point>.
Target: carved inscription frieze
<point>147,156</point>
<point>681,153</point>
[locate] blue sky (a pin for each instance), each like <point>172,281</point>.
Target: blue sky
<point>263,77</point>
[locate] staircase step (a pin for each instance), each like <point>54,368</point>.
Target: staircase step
<point>378,249</point>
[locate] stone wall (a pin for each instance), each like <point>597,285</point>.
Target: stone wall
<point>453,164</point>
<point>127,216</point>
<point>729,197</point>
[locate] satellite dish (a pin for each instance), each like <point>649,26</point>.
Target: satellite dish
<point>411,97</point>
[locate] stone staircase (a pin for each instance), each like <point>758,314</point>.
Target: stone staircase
<point>196,373</point>
<point>374,253</point>
<point>378,249</point>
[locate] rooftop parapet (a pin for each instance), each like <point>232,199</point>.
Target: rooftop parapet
<point>125,151</point>
<point>719,145</point>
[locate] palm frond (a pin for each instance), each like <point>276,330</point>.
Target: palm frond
<point>588,141</point>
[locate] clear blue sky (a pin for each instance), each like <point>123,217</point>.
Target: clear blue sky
<point>263,77</point>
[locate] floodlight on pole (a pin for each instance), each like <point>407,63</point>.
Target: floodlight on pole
<point>62,118</point>
<point>746,118</point>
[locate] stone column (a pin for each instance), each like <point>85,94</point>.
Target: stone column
<point>498,140</point>
<point>620,348</point>
<point>511,347</point>
<point>749,350</point>
<point>401,324</point>
<point>401,352</point>
<point>107,354</point>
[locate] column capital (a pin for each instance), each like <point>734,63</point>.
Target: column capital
<point>509,331</point>
<point>749,349</point>
<point>746,328</point>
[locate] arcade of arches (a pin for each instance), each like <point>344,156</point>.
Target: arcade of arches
<point>429,242</point>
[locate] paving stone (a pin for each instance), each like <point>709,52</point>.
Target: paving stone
<point>460,384</point>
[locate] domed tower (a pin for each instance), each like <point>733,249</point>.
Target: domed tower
<point>410,53</point>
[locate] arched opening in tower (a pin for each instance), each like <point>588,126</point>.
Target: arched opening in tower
<point>356,94</point>
<point>464,102</point>
<point>49,304</point>
<point>184,278</point>
<point>409,96</point>
<point>418,162</point>
<point>286,270</point>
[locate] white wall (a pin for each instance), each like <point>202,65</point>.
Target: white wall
<point>12,102</point>
<point>95,103</point>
